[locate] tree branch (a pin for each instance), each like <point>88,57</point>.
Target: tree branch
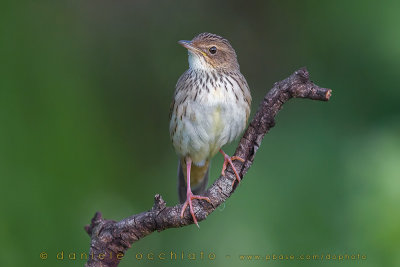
<point>110,239</point>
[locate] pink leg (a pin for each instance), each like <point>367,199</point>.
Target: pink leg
<point>189,194</point>
<point>227,160</point>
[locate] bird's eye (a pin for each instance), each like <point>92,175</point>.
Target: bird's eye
<point>213,50</point>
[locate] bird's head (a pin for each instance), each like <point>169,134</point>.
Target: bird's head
<point>209,51</point>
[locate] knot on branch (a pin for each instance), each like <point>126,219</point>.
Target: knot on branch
<point>159,203</point>
<point>96,220</point>
<point>302,74</point>
<point>97,224</point>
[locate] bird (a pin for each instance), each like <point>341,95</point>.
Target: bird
<point>210,108</point>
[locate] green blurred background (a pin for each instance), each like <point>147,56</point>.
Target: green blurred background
<point>85,90</point>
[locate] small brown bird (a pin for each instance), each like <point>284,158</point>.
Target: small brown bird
<point>210,108</point>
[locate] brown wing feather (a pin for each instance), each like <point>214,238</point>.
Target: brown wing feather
<point>178,87</point>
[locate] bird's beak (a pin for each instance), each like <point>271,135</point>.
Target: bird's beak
<point>189,45</point>
<point>186,44</point>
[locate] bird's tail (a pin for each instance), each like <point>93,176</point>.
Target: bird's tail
<point>198,179</point>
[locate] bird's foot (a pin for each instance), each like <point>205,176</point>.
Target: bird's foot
<point>228,159</point>
<point>188,201</point>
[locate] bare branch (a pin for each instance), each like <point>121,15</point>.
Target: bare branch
<point>110,239</point>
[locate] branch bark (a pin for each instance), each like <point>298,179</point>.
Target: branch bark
<point>110,239</point>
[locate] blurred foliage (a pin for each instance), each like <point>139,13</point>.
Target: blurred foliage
<point>85,90</point>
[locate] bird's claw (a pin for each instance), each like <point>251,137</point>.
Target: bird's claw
<point>228,159</point>
<point>188,201</point>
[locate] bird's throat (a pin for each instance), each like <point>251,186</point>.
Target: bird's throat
<point>198,62</point>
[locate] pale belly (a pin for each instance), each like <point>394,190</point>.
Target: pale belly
<point>208,126</point>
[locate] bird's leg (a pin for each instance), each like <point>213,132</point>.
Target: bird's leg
<point>189,194</point>
<point>227,160</point>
